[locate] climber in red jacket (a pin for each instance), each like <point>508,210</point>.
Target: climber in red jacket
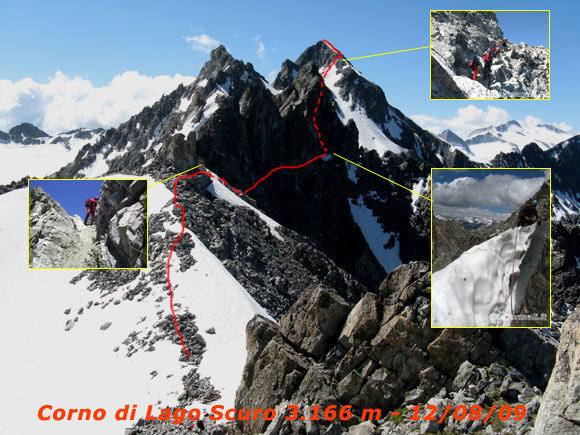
<point>91,205</point>
<point>487,59</point>
<point>474,65</point>
<point>504,43</point>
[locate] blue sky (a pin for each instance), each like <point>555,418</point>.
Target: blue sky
<point>98,40</point>
<point>70,194</point>
<point>531,27</point>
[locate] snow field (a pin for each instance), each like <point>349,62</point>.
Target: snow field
<point>474,290</point>
<point>79,368</point>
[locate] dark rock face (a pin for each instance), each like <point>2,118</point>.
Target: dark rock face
<point>254,130</point>
<point>382,354</point>
<point>4,137</point>
<point>14,185</point>
<point>442,84</point>
<point>274,271</point>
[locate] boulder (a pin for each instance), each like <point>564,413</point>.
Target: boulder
<point>362,322</point>
<point>314,320</point>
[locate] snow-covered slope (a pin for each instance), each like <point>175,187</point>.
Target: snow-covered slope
<point>475,289</point>
<point>70,340</point>
<point>37,160</point>
<point>483,144</point>
<point>384,245</point>
<point>371,135</point>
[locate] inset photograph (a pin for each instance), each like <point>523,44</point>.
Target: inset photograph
<point>490,240</point>
<point>489,55</point>
<point>87,224</point>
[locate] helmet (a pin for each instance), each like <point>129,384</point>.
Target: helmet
<point>97,198</point>
<point>534,202</point>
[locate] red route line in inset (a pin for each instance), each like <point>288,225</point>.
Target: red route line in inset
<point>512,280</point>
<point>239,192</point>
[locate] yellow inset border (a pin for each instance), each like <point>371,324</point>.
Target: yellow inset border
<point>496,99</point>
<point>89,179</point>
<point>550,244</point>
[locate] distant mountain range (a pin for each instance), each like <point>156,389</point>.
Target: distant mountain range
<point>483,144</point>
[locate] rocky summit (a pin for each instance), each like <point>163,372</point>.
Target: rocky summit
<point>518,71</point>
<point>118,238</point>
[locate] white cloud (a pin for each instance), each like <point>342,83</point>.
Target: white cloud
<point>261,50</point>
<point>532,120</point>
<point>565,127</point>
<point>202,42</point>
<point>65,103</point>
<point>495,190</point>
<point>261,47</point>
<point>465,121</point>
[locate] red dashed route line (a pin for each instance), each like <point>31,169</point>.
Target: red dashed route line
<point>239,192</point>
<point>512,280</point>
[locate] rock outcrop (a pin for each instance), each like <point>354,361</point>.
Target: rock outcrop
<point>520,71</point>
<point>118,239</point>
<point>26,134</point>
<point>382,354</point>
<point>54,236</point>
<point>560,409</point>
<point>122,220</point>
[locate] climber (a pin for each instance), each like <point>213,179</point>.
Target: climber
<point>528,214</point>
<point>504,43</point>
<point>487,59</point>
<point>91,205</point>
<point>474,65</point>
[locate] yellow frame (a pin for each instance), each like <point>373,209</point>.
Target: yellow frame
<point>495,99</point>
<point>86,268</point>
<point>550,243</point>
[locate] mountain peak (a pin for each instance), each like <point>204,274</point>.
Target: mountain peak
<point>220,55</point>
<point>451,137</point>
<point>27,129</point>
<point>27,134</point>
<point>320,53</point>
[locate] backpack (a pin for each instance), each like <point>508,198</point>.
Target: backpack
<point>88,203</point>
<point>487,57</point>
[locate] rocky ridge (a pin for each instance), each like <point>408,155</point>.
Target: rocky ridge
<point>560,408</point>
<point>218,120</point>
<point>382,354</point>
